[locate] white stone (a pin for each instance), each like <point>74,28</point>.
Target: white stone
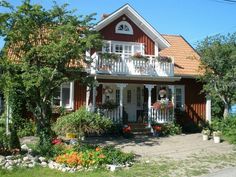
<point>42,159</point>
<point>51,166</point>
<point>44,164</point>
<point>26,158</point>
<point>2,158</point>
<point>63,170</point>
<point>31,165</point>
<point>24,147</point>
<point>9,168</point>
<point>9,157</point>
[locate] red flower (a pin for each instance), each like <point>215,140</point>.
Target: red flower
<point>126,129</point>
<point>157,128</point>
<point>56,141</point>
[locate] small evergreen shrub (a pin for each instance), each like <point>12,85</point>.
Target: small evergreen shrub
<point>82,121</point>
<point>227,127</point>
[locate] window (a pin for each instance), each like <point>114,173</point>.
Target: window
<point>124,27</point>
<point>179,97</point>
<point>127,48</point>
<point>128,96</point>
<point>118,97</point>
<point>64,96</point>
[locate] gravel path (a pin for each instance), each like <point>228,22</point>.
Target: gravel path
<point>176,147</point>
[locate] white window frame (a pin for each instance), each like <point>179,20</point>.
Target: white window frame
<point>182,87</point>
<point>124,23</point>
<point>132,44</point>
<point>71,99</point>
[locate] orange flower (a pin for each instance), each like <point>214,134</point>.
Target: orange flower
<point>102,156</point>
<point>98,149</point>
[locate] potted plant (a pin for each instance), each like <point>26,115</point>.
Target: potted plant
<point>205,134</point>
<point>216,136</point>
<point>139,56</point>
<point>164,59</point>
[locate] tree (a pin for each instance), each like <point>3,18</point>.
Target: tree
<point>43,49</point>
<point>218,59</point>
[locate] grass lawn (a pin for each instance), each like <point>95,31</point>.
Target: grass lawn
<point>162,167</point>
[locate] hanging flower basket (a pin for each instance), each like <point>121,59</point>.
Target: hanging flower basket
<point>163,105</point>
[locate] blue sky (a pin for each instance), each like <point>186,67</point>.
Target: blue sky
<point>193,19</point>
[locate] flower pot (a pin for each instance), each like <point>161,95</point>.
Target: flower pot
<point>216,139</point>
<point>70,135</point>
<point>205,137</point>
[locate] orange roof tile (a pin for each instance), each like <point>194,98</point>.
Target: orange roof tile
<point>186,59</point>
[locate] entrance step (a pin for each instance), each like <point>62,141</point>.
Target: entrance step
<point>140,129</point>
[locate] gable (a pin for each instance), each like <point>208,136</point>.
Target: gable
<point>109,33</point>
<point>138,20</point>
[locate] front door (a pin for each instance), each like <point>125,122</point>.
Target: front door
<point>133,101</point>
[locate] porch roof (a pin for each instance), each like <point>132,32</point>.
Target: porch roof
<point>138,78</point>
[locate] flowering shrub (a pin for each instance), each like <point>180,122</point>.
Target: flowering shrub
<point>166,129</point>
<point>89,155</point>
<point>163,105</point>
<point>127,131</point>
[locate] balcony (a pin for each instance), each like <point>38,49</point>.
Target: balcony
<point>147,65</point>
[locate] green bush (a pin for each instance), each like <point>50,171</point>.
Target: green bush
<point>27,129</point>
<point>82,121</point>
<point>171,129</point>
<point>227,127</point>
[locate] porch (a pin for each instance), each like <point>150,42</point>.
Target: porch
<point>134,103</point>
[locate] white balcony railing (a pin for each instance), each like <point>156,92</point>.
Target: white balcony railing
<point>113,114</point>
<point>162,115</point>
<point>126,65</point>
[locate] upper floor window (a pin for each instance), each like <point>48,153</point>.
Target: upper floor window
<point>124,27</point>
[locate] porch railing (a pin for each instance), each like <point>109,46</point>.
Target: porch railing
<point>113,114</point>
<point>162,115</point>
<point>126,65</point>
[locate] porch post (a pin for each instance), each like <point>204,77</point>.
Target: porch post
<point>87,98</point>
<point>149,87</point>
<point>121,87</point>
<point>172,88</point>
<point>94,98</point>
<point>208,109</point>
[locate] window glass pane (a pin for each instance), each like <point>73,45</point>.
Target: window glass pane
<point>57,97</point>
<point>65,97</point>
<point>178,91</point>
<point>117,96</point>
<point>118,48</point>
<point>128,49</point>
<point>137,49</point>
<point>66,94</point>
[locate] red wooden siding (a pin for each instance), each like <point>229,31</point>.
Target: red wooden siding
<point>108,33</point>
<point>79,95</point>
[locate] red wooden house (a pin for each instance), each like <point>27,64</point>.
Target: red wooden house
<point>148,75</point>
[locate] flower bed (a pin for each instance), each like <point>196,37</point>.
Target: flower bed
<point>90,155</point>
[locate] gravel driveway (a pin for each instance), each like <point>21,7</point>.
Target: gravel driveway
<point>176,147</point>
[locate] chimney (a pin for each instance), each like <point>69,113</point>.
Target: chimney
<point>104,16</point>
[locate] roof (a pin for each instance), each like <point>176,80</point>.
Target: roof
<point>186,59</point>
<point>138,20</point>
